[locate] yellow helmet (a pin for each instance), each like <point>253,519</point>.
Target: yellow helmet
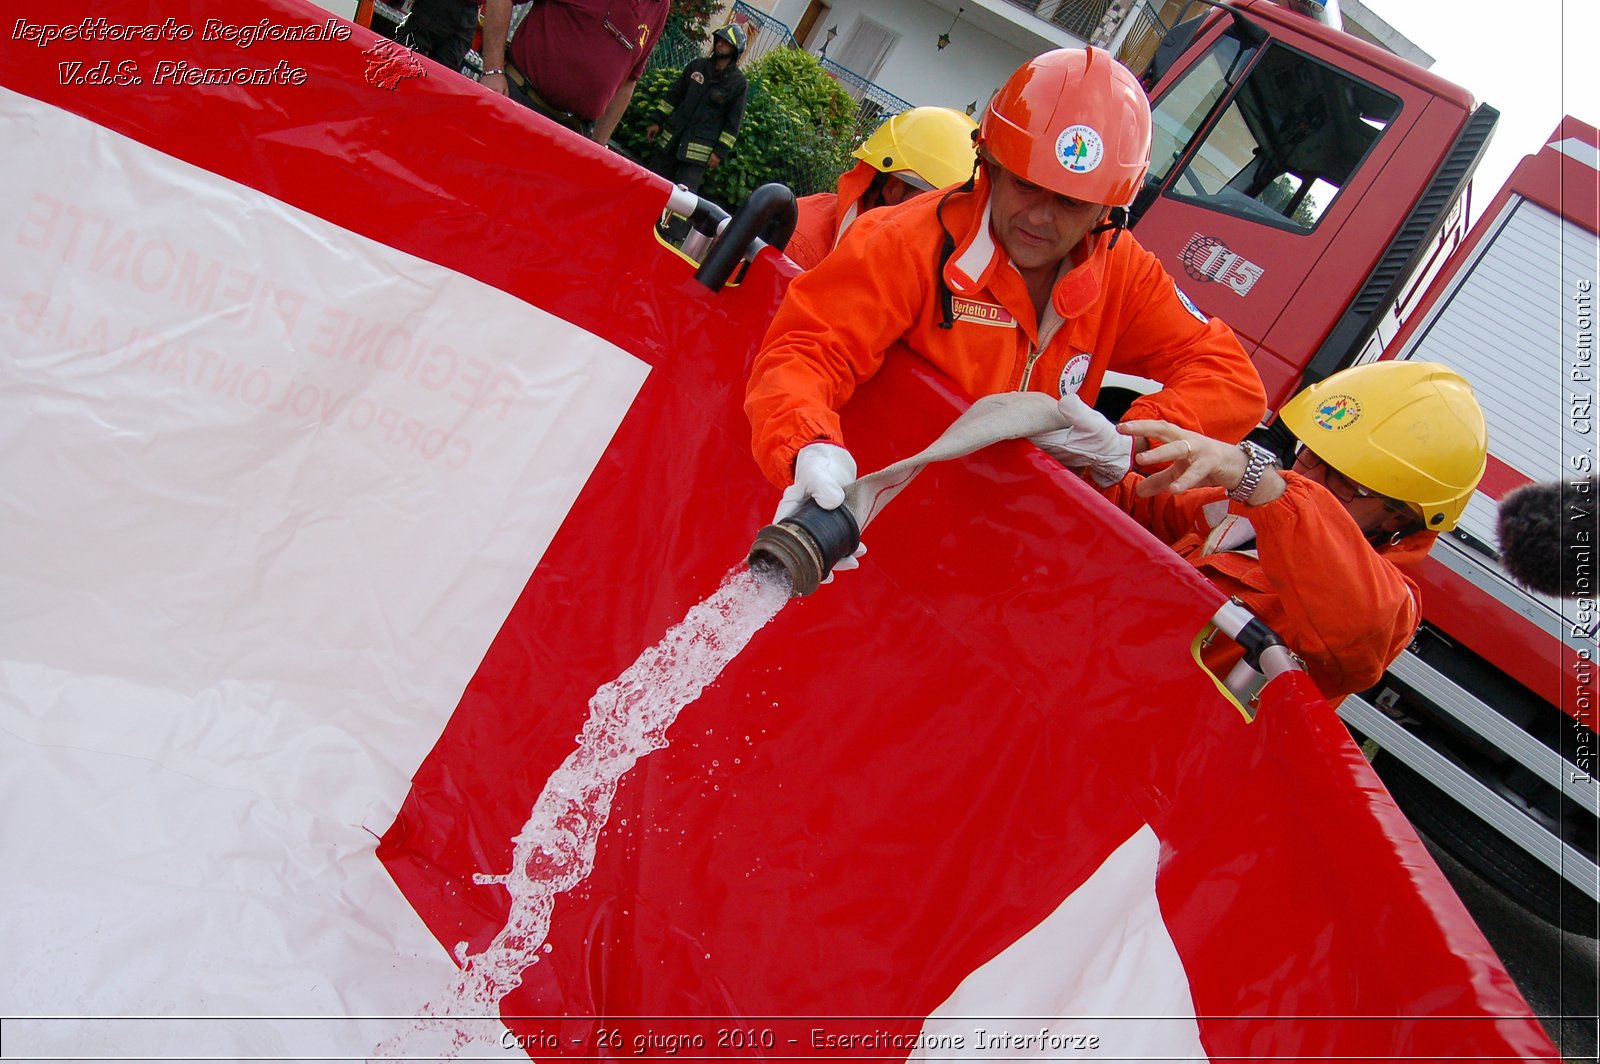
<point>930,147</point>
<point>1408,430</point>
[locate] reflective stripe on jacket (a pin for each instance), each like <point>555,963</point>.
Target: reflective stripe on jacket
<point>1117,310</point>
<point>1345,608</point>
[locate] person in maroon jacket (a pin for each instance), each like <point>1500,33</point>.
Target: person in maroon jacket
<point>574,61</point>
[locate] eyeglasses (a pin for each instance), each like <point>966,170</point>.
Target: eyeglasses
<point>1343,488</point>
<point>1339,486</point>
<point>622,38</point>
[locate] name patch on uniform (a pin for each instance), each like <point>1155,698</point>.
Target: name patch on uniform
<point>983,313</point>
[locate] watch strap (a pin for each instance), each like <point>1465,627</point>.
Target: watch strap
<point>1257,459</point>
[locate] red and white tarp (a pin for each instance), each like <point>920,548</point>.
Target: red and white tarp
<point>355,430</point>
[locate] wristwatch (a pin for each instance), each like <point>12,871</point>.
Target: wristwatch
<point>1256,460</point>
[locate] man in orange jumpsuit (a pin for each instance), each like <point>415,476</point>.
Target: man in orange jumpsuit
<point>1022,279</point>
<point>919,150</point>
<point>1391,453</point>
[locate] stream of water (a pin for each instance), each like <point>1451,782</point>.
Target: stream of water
<point>628,718</point>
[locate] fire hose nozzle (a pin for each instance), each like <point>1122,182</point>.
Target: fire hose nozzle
<point>806,545</point>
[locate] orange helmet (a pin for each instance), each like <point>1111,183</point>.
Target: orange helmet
<point>1074,121</point>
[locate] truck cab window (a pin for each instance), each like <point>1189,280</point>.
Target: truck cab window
<point>1290,138</point>
<point>1184,108</point>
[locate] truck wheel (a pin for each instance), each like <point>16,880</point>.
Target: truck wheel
<point>1506,866</point>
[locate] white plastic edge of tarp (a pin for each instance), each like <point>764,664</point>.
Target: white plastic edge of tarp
<point>268,489</point>
<point>1062,991</point>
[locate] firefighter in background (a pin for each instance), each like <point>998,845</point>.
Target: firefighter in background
<point>1390,454</point>
<point>1020,279</point>
<point>575,62</point>
<point>915,151</point>
<point>702,112</point>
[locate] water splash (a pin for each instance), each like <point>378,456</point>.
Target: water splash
<point>628,718</point>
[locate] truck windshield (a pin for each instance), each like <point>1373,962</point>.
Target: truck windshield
<point>1291,136</point>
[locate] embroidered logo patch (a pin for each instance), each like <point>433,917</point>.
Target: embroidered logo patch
<point>698,78</point>
<point>1337,412</point>
<point>1183,297</point>
<point>983,313</point>
<point>1073,374</point>
<point>1080,149</point>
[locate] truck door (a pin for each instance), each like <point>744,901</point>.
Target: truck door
<point>1277,181</point>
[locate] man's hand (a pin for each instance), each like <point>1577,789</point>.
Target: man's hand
<point>652,131</point>
<point>1197,462</point>
<point>496,83</point>
<point>713,161</point>
<point>1089,442</point>
<point>821,471</point>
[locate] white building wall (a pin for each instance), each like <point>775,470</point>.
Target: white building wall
<point>343,8</point>
<point>975,64</point>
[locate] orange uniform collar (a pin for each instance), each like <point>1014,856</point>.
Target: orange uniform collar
<point>850,188</point>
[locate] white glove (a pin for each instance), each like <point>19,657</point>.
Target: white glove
<point>1089,442</point>
<point>821,471</point>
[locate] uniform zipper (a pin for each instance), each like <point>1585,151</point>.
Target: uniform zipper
<point>1048,327</point>
<point>1034,351</point>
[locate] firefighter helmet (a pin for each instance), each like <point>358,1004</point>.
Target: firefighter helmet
<point>1074,121</point>
<point>1410,430</point>
<point>735,35</point>
<point>929,147</point>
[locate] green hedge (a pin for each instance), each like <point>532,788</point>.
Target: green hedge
<point>798,128</point>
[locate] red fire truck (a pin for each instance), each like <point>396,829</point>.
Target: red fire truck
<point>1308,188</point>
